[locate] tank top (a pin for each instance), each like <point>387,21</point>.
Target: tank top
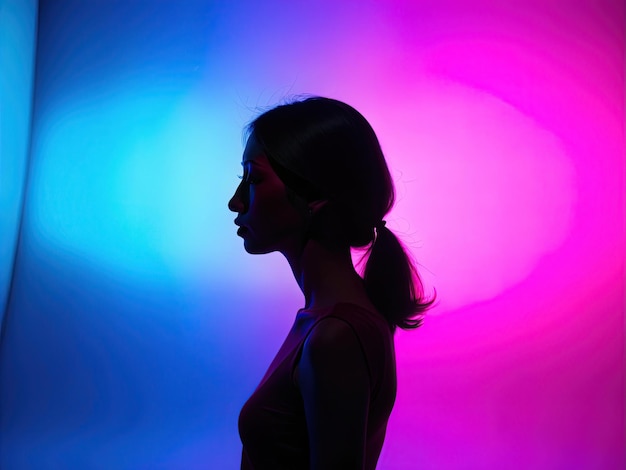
<point>272,423</point>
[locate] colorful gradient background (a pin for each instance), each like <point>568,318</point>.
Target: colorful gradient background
<point>135,324</point>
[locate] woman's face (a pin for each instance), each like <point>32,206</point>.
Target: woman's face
<point>267,220</point>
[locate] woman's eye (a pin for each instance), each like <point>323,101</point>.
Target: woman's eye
<point>248,179</point>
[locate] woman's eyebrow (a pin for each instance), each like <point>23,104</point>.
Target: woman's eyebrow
<point>252,162</point>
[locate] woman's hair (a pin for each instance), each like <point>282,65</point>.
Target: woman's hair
<point>323,149</point>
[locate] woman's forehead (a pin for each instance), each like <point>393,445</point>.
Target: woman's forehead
<point>254,154</point>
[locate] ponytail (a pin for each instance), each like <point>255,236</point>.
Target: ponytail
<point>393,283</point>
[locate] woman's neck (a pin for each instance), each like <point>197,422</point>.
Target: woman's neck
<point>327,277</point>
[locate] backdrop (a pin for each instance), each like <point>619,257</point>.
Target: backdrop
<point>136,325</point>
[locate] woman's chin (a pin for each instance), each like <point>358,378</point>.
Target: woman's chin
<point>255,248</point>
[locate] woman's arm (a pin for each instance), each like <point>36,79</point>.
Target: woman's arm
<point>334,382</point>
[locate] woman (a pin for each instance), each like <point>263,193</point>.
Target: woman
<point>315,184</point>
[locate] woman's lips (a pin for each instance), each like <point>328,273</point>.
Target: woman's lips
<point>241,231</point>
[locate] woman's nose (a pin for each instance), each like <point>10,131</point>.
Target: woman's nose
<point>236,204</point>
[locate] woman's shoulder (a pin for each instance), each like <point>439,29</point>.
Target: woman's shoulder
<point>359,314</point>
<point>356,335</point>
<point>345,319</point>
<point>331,334</point>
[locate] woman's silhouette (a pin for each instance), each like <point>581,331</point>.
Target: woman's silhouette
<point>315,183</point>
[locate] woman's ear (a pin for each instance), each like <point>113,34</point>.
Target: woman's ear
<point>316,205</point>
